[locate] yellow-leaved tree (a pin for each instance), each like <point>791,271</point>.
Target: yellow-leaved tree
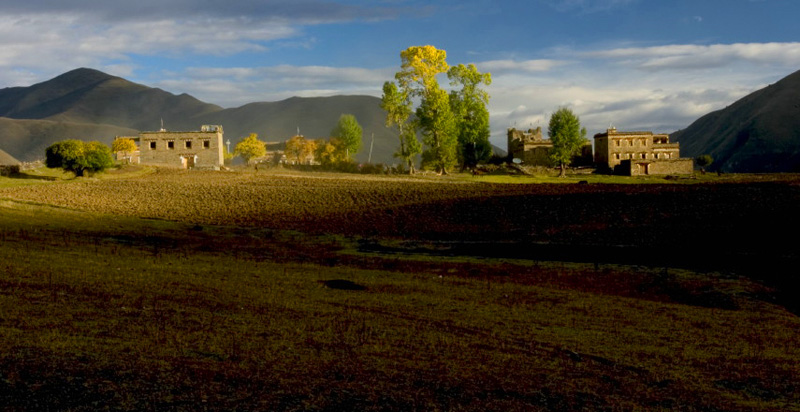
<point>419,67</point>
<point>250,148</point>
<point>123,147</point>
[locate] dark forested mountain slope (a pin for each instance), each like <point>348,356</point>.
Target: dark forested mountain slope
<point>758,133</point>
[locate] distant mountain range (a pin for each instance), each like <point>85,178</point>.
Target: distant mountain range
<point>91,105</point>
<point>758,133</point>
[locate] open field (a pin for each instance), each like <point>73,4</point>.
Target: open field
<point>207,291</point>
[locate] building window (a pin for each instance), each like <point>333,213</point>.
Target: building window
<point>644,142</point>
<point>152,145</point>
<point>188,144</point>
<point>644,155</point>
<point>618,143</point>
<point>616,155</point>
<point>206,144</point>
<point>170,145</point>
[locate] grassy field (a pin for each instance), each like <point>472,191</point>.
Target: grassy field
<point>158,290</point>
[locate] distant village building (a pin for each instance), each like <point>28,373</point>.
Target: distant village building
<point>189,150</point>
<point>639,153</point>
<point>534,150</point>
<point>276,152</point>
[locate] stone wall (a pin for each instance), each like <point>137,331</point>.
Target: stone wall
<point>530,147</point>
<point>681,166</point>
<point>188,150</point>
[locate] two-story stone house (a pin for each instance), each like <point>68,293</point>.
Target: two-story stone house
<point>639,153</point>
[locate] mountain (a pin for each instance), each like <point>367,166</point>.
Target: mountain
<point>91,105</point>
<point>90,96</point>
<point>758,133</point>
<point>7,159</point>
<point>315,117</point>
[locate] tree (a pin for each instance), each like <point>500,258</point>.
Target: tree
<point>471,116</point>
<point>309,149</point>
<point>417,78</point>
<point>704,161</point>
<point>331,152</point>
<point>98,157</point>
<point>250,148</point>
<point>299,149</point>
<point>125,146</point>
<point>567,137</point>
<point>438,131</point>
<point>350,133</point>
<point>79,157</point>
<point>294,148</point>
<point>397,105</point>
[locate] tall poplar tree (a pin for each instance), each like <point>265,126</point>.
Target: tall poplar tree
<point>471,115</point>
<point>397,104</point>
<point>417,78</point>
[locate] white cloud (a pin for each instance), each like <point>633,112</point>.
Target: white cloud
<point>650,88</point>
<point>504,66</point>
<point>236,86</point>
<point>703,56</point>
<point>48,38</point>
<point>587,6</point>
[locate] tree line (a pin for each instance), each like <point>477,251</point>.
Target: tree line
<point>455,126</point>
<point>344,143</point>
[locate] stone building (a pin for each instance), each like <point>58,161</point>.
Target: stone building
<point>639,153</point>
<point>533,150</point>
<point>189,150</point>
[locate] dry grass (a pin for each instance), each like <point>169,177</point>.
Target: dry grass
<point>109,311</point>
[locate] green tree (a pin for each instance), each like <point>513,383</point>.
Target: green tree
<point>79,157</point>
<point>704,161</point>
<point>397,104</point>
<point>470,113</point>
<point>567,136</point>
<point>124,146</point>
<point>98,157</point>
<point>417,78</point>
<point>350,133</point>
<point>250,148</point>
<point>438,132</point>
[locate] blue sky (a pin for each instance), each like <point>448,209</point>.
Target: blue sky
<point>635,64</point>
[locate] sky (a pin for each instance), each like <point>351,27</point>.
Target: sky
<point>633,64</point>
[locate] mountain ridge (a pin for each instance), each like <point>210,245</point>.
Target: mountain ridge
<point>68,105</point>
<point>758,133</point>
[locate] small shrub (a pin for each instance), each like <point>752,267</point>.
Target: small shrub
<point>373,169</point>
<point>9,170</point>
